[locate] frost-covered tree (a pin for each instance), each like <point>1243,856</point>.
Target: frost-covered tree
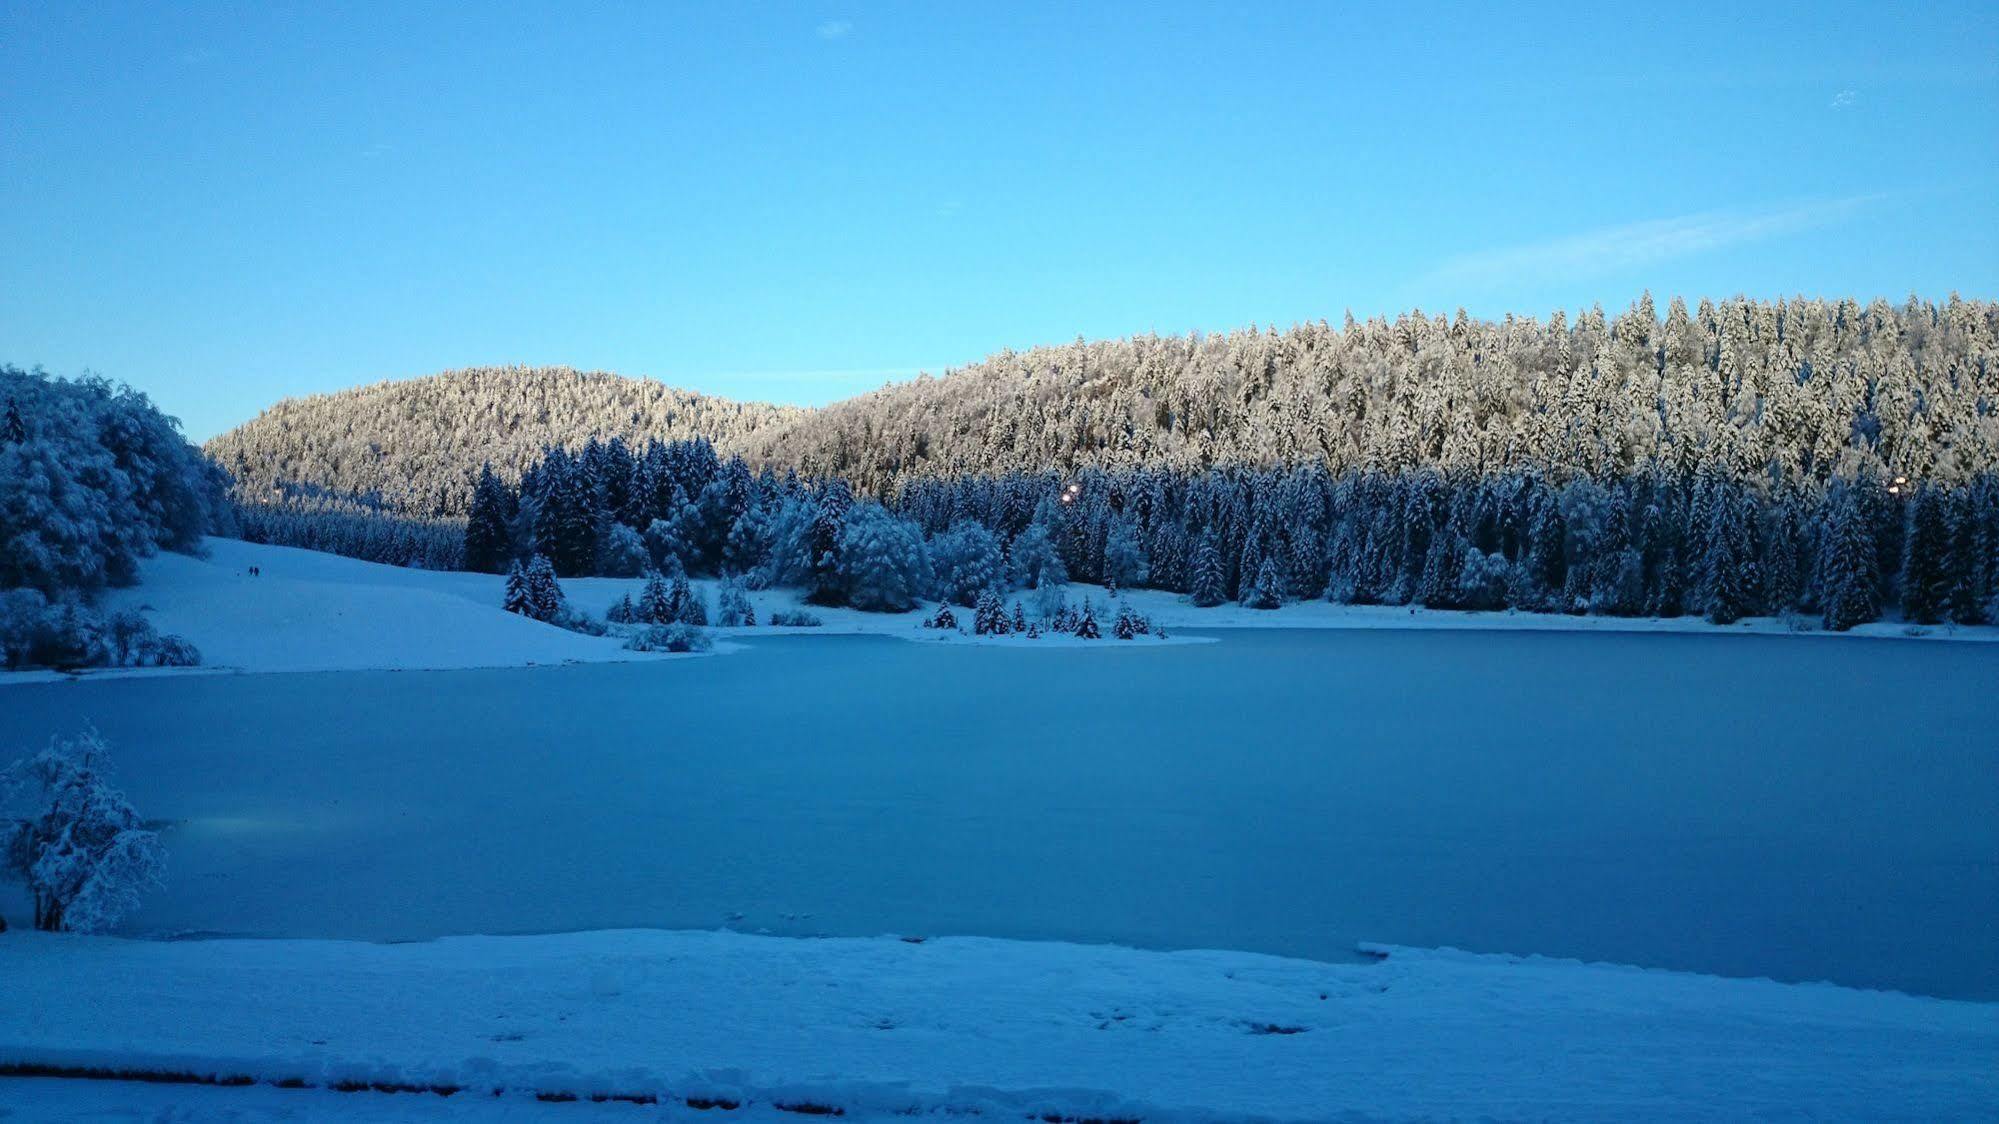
<point>82,849</point>
<point>683,604</point>
<point>883,566</point>
<point>623,553</point>
<point>732,605</point>
<point>1205,581</point>
<point>967,559</point>
<point>654,605</point>
<point>989,615</point>
<point>1086,624</point>
<point>517,598</point>
<point>488,541</point>
<point>1927,559</point>
<point>544,594</point>
<point>1847,567</point>
<point>1125,564</point>
<point>1267,592</point>
<point>1035,560</point>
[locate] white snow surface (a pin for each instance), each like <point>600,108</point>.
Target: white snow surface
<point>1002,1029</point>
<point>311,611</point>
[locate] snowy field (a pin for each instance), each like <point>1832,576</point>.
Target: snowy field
<point>976,1028</point>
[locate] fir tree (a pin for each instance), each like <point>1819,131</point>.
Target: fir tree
<point>1019,623</point>
<point>517,599</point>
<point>15,429</point>
<point>989,615</point>
<point>1268,590</point>
<point>1970,561</point>
<point>1086,625</point>
<point>488,544</point>
<point>1847,575</point>
<point>655,606</point>
<point>1724,580</point>
<point>1205,579</point>
<point>1927,558</point>
<point>943,618</point>
<point>544,593</point>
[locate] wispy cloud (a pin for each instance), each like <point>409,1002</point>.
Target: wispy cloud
<point>1844,99</point>
<point>835,29</point>
<point>1639,244</point>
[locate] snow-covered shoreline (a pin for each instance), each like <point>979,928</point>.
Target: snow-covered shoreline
<point>1004,1028</point>
<point>310,611</point>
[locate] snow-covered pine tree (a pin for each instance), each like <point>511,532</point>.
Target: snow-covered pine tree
<point>1019,622</point>
<point>1726,576</point>
<point>1847,574</point>
<point>488,543</point>
<point>826,584</point>
<point>943,618</point>
<point>517,598</point>
<point>1971,560</point>
<point>1086,624</point>
<point>684,605</point>
<point>623,612</point>
<point>655,605</point>
<point>1124,627</point>
<point>545,599</point>
<point>1926,559</point>
<point>989,615</point>
<point>1205,578</point>
<point>1267,592</point>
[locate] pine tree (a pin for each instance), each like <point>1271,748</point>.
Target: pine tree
<point>1724,580</point>
<point>683,605</point>
<point>943,618</point>
<point>1205,580</point>
<point>1086,625</point>
<point>517,599</point>
<point>488,544</point>
<point>1268,590</point>
<point>1124,559</point>
<point>1970,561</point>
<point>827,586</point>
<point>655,606</point>
<point>1847,574</point>
<point>1124,628</point>
<point>1926,560</point>
<point>1019,618</point>
<point>14,430</point>
<point>989,615</point>
<point>544,593</point>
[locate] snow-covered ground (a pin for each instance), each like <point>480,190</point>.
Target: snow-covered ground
<point>1004,1029</point>
<point>309,611</point>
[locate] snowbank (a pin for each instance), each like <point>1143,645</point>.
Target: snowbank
<point>1004,1028</point>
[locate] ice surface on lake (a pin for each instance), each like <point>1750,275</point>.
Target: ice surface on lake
<point>1727,804</point>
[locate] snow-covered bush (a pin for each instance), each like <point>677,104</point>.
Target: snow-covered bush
<point>675,637</point>
<point>967,560</point>
<point>68,634</point>
<point>732,605</point>
<point>943,618</point>
<point>82,849</point>
<point>794,618</point>
<point>883,565</point>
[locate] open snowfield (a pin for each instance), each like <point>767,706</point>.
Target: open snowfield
<point>1005,1030</point>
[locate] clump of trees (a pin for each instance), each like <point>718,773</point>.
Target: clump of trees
<point>93,478</point>
<point>82,849</point>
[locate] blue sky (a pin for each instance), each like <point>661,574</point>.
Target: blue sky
<point>224,206</point>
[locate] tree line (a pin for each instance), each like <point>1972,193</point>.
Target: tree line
<point>1663,542</point>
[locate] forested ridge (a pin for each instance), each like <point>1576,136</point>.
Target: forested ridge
<point>1759,390</point>
<point>413,447</point>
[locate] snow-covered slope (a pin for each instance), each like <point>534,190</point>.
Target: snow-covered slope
<point>1003,1028</point>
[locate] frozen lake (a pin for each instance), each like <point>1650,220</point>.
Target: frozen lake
<point>1800,808</point>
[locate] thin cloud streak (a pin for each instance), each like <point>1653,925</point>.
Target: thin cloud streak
<point>1640,244</point>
